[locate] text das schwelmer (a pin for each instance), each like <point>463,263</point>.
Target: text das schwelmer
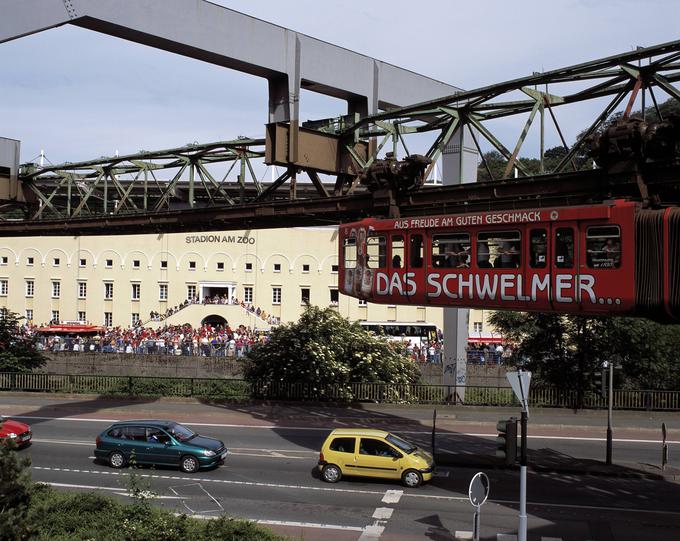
<point>505,287</point>
<point>469,219</point>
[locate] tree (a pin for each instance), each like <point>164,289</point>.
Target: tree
<point>15,494</point>
<point>323,348</point>
<point>17,349</point>
<point>565,351</point>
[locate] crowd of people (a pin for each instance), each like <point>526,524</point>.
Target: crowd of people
<point>207,341</point>
<point>482,353</point>
<point>215,299</point>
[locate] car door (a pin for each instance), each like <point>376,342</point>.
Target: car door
<point>377,458</point>
<point>344,449</point>
<point>134,445</point>
<point>160,447</point>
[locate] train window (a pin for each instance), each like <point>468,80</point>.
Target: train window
<point>603,247</point>
<point>350,254</point>
<point>376,252</point>
<point>499,250</point>
<point>451,251</point>
<point>416,251</point>
<point>397,251</point>
<point>564,248</point>
<point>538,244</point>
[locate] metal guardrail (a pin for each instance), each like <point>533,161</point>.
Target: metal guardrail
<point>357,392</point>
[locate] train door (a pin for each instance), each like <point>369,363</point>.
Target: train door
<point>565,294</point>
<point>414,282</point>
<point>604,273</point>
<point>536,284</point>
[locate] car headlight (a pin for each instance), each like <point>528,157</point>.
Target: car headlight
<point>11,435</point>
<point>208,453</point>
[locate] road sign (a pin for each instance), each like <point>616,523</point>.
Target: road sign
<point>479,489</point>
<point>520,381</point>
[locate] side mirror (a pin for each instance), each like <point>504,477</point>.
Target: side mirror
<point>398,455</point>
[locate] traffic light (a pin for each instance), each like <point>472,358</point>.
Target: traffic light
<point>506,441</point>
<point>601,382</point>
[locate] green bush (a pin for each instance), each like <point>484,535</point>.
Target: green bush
<point>63,516</point>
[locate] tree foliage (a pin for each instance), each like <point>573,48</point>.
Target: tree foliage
<point>15,494</point>
<point>324,348</point>
<point>566,350</point>
<point>17,350</point>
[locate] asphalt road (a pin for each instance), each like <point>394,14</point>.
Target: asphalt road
<point>270,474</point>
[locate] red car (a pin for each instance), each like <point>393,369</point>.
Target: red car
<point>19,433</point>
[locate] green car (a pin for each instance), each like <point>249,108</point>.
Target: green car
<point>162,443</point>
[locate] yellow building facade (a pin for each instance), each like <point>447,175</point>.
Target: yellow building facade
<point>122,280</point>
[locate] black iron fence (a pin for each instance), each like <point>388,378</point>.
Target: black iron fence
<point>238,389</point>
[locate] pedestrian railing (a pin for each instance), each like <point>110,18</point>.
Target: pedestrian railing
<point>238,389</point>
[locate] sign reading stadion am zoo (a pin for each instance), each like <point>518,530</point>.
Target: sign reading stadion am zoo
<point>409,260</point>
<point>219,239</point>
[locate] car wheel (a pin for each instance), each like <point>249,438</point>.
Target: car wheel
<point>331,473</point>
<point>188,464</point>
<point>411,478</point>
<point>117,459</point>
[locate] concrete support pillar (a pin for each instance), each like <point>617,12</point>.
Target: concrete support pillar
<point>459,166</point>
<point>284,93</point>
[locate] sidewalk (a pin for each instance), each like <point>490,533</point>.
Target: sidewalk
<point>452,421</point>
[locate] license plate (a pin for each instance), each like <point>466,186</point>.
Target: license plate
<point>223,455</point>
<point>26,437</point>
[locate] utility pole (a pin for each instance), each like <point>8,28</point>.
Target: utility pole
<point>610,400</point>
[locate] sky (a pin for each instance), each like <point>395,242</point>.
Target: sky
<point>79,95</point>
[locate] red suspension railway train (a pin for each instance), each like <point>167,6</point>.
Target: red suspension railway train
<point>611,258</point>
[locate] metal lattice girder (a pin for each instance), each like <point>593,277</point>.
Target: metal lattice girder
<point>130,184</point>
<point>610,78</point>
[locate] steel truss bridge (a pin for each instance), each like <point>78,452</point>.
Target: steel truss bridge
<point>215,186</point>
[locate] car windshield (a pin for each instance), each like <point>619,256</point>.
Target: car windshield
<point>182,433</point>
<point>405,446</point>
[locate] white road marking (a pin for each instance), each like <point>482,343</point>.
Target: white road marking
<point>63,442</point>
<point>293,523</point>
<point>355,491</point>
<point>317,429</point>
<point>372,532</point>
<point>505,537</point>
<point>232,451</point>
<point>115,490</point>
<point>463,535</point>
<point>392,496</point>
<point>383,513</point>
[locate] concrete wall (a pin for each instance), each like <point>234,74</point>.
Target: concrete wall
<point>121,364</point>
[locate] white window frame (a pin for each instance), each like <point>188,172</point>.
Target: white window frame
<point>108,291</point>
<point>56,289</point>
<point>163,290</point>
<point>136,264</point>
<point>136,288</point>
<point>84,314</point>
<point>30,284</point>
<point>248,294</point>
<point>4,260</point>
<point>108,319</point>
<point>82,263</point>
<point>30,261</point>
<point>192,291</point>
<point>134,318</point>
<point>4,287</point>
<point>108,263</point>
<point>56,261</point>
<point>29,314</point>
<point>276,294</point>
<point>82,290</point>
<point>309,295</point>
<point>58,318</point>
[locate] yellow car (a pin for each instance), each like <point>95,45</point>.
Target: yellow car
<point>373,453</point>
